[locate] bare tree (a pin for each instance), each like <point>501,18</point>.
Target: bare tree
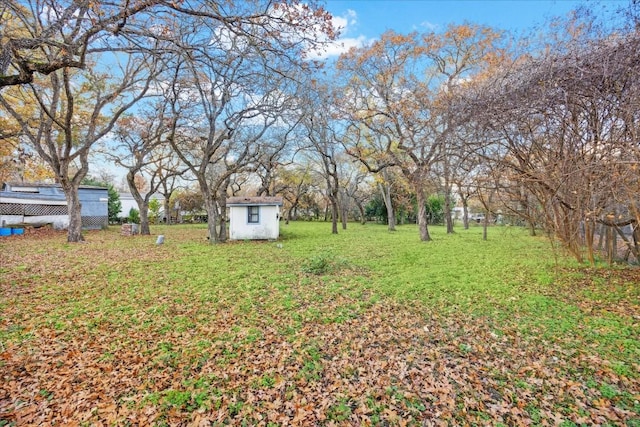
<point>44,36</point>
<point>219,146</point>
<point>76,109</point>
<point>564,131</point>
<point>355,186</point>
<point>70,32</point>
<point>293,182</point>
<point>142,148</point>
<point>323,146</point>
<point>276,152</point>
<point>401,86</point>
<point>257,46</point>
<point>387,98</point>
<point>370,149</point>
<point>236,80</point>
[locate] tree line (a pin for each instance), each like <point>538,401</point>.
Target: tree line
<point>542,129</point>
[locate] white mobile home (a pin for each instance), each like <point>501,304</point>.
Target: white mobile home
<point>254,218</point>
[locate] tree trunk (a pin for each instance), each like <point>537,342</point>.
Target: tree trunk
<point>447,211</point>
<point>601,236</point>
<point>222,202</point>
<point>631,246</point>
<point>465,212</point>
<point>222,233</point>
<point>334,215</point>
<point>614,243</point>
<point>447,197</point>
<point>386,197</point>
<point>363,219</point>
<point>343,216</point>
<point>74,234</point>
<point>422,216</point>
<point>610,245</point>
<point>142,202</point>
<point>528,210</point>
<point>167,211</point>
<point>144,218</point>
<point>485,225</point>
<point>212,218</point>
<point>636,239</point>
<point>589,227</point>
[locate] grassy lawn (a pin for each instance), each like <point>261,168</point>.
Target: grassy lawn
<point>362,328</point>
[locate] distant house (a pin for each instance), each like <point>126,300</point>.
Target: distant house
<point>254,218</point>
<point>40,204</point>
<point>127,202</point>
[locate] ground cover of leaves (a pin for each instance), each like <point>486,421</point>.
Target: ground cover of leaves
<point>119,331</point>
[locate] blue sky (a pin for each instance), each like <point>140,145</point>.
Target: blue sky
<point>365,20</point>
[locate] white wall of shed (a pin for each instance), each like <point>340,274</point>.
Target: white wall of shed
<point>268,228</point>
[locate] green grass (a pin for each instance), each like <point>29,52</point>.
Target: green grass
<point>367,326</point>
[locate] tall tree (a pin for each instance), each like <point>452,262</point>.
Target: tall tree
<point>563,131</point>
<point>400,87</point>
<point>240,77</point>
<point>293,182</point>
<point>142,148</point>
<point>324,147</point>
<point>370,149</point>
<point>76,108</point>
<point>356,186</point>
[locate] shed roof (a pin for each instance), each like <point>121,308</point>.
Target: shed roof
<point>9,185</point>
<point>253,201</point>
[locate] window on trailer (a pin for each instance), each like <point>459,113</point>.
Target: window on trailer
<point>253,214</point>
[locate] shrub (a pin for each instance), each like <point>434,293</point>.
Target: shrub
<point>154,210</point>
<point>317,264</point>
<point>134,216</point>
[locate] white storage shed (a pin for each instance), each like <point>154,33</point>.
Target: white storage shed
<point>254,218</point>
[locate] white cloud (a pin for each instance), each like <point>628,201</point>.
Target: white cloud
<point>343,45</point>
<point>429,26</point>
<point>345,25</point>
<point>345,22</point>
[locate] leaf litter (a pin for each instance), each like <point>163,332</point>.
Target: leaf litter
<point>333,356</point>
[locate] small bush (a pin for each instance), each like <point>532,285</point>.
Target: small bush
<point>317,264</point>
<point>134,216</point>
<point>154,210</point>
